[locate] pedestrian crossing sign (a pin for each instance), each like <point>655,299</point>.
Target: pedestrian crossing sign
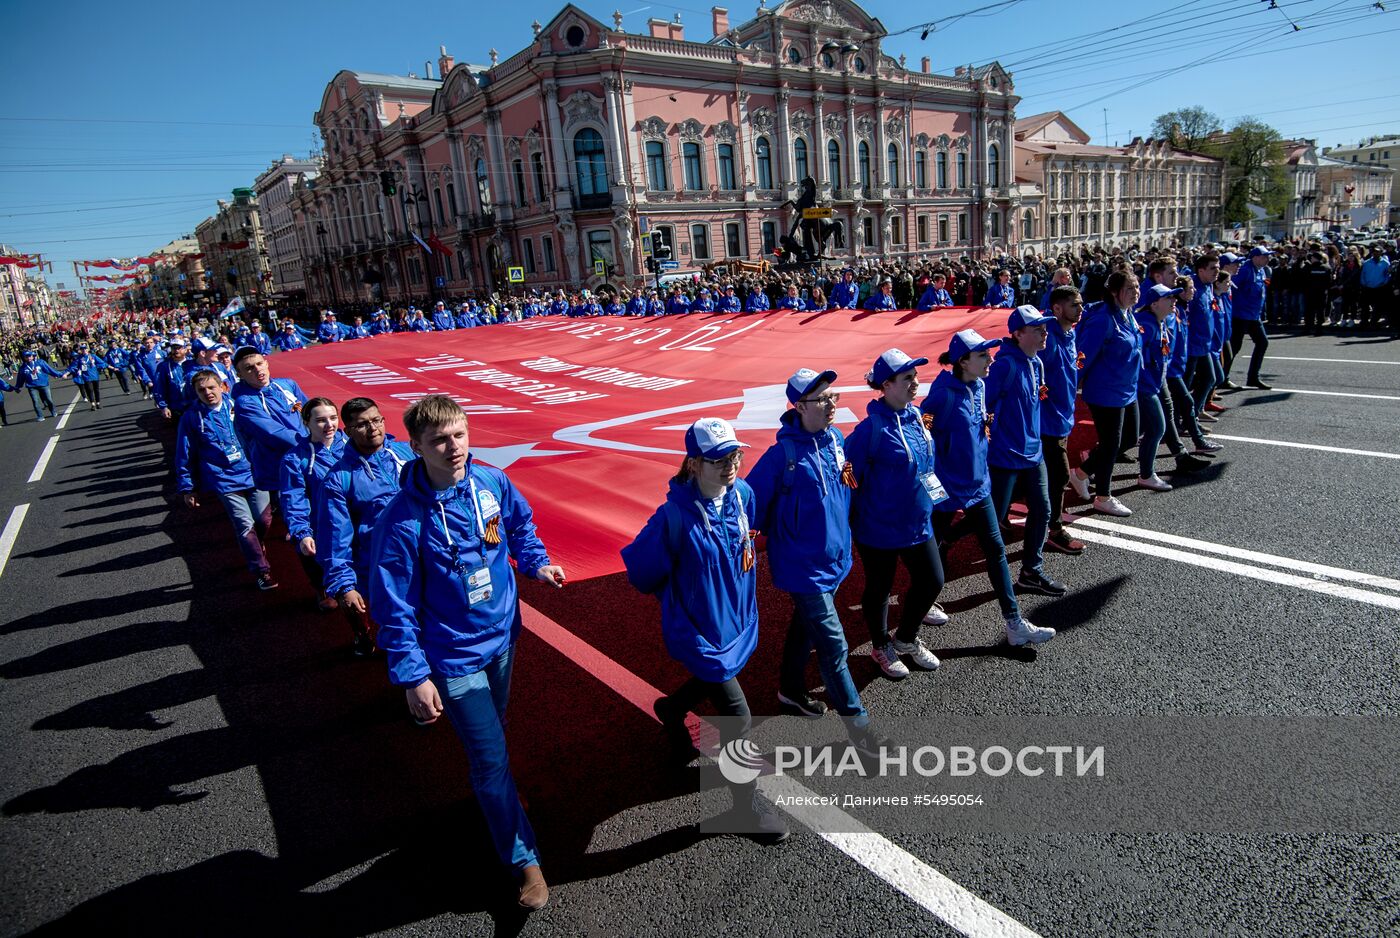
<point>515,274</point>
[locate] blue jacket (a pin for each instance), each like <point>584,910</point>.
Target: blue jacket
<point>729,304</point>
<point>844,295</point>
<point>757,302</point>
<point>1060,358</point>
<point>286,341</point>
<point>1110,355</point>
<point>792,302</point>
<point>270,421</point>
<point>805,511</point>
<point>299,479</point>
<point>426,545</point>
<point>637,306</point>
<point>1224,312</point>
<point>879,301</point>
<point>1375,272</point>
<point>35,374</point>
<point>655,308</point>
<point>354,492</point>
<point>1251,284</point>
<point>998,295</point>
<point>419,324</point>
<point>957,414</point>
<point>6,386</point>
<point>709,606</point>
<point>1176,366</point>
<point>1200,317</point>
<point>677,305</point>
<point>259,341</point>
<point>443,321</point>
<point>85,368</point>
<point>171,387</point>
<point>329,332</point>
<point>380,325</point>
<point>1158,340</point>
<point>559,308</point>
<point>1012,393</point>
<point>613,309</point>
<point>118,358</point>
<point>933,298</point>
<point>145,364</point>
<point>209,455</point>
<point>703,305</point>
<point>889,453</point>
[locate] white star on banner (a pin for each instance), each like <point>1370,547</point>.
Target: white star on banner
<point>502,456</point>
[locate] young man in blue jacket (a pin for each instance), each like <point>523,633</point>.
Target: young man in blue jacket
<point>329,330</point>
<point>1203,370</point>
<point>257,339</point>
<point>171,387</point>
<point>729,300</point>
<point>288,339</point>
<point>442,319</point>
<point>1060,358</point>
<point>34,373</point>
<point>845,293</point>
<point>355,491</point>
<point>210,456</point>
<point>757,301</point>
<point>1251,289</point>
<point>86,371</point>
<point>268,413</point>
<point>144,363</point>
<point>445,598</point>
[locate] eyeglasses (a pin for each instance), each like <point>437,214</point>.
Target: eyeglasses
<point>825,400</point>
<point>727,462</point>
<point>363,425</point>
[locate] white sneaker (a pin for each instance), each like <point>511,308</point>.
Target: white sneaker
<point>1079,481</point>
<point>1019,631</point>
<point>888,660</point>
<point>936,616</point>
<point>917,651</point>
<point>1110,505</point>
<point>1155,483</point>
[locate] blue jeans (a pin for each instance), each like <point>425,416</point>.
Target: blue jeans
<point>251,513</point>
<point>982,519</point>
<point>815,623</point>
<point>476,705</point>
<point>1153,419</point>
<point>1037,495</point>
<point>36,395</point>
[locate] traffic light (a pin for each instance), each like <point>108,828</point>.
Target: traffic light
<point>660,249</point>
<point>651,265</point>
<point>387,184</point>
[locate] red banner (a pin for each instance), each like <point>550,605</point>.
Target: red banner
<point>21,260</point>
<point>587,415</point>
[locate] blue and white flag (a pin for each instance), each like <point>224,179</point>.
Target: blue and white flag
<point>234,307</point>
<point>421,243</point>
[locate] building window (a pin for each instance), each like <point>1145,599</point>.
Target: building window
<point>690,165</point>
<point>794,55</point>
<point>1123,220</point>
<point>829,62</point>
<point>859,65</point>
<point>994,225</point>
<point>590,163</point>
<point>764,152</point>
<point>863,165</point>
<point>921,169</point>
<point>451,201</point>
<point>600,247</point>
<point>1083,185</point>
<point>733,240</point>
<point>517,171</point>
<point>483,187</point>
<point>799,158</point>
<point>725,152</point>
<point>1083,225</point>
<point>1050,184</point>
<point>940,164</point>
<point>528,253</point>
<point>994,166</point>
<point>700,242</point>
<point>437,204</point>
<point>537,166</point>
<point>833,163</point>
<point>892,165</point>
<point>896,230</point>
<point>1027,226</point>
<point>770,237</point>
<point>1094,223</point>
<point>867,231</point>
<point>656,165</point>
<point>942,229</point>
<point>921,226</point>
<point>547,249</point>
<point>963,230</point>
<point>962,170</point>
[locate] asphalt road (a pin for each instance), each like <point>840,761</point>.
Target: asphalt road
<point>187,755</point>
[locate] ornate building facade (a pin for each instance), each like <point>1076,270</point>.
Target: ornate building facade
<point>569,151</point>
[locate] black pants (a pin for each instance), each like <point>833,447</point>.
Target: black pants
<point>1255,330</point>
<point>1375,305</point>
<point>90,391</point>
<point>1117,429</point>
<point>121,379</point>
<point>925,583</point>
<point>728,699</point>
<point>1056,451</point>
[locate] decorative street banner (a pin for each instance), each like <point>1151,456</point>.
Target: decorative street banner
<point>588,415</point>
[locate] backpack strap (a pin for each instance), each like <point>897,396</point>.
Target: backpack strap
<point>789,466</point>
<point>672,516</point>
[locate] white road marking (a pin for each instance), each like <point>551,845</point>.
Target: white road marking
<point>68,412</point>
<point>904,872</point>
<point>1369,397</point>
<point>1341,361</point>
<point>1291,445</point>
<point>1239,553</point>
<point>44,457</point>
<point>11,534</point>
<point>1219,565</point>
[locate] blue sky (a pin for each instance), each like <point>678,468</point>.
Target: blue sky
<point>122,125</point>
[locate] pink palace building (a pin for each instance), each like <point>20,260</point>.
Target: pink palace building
<point>565,153</point>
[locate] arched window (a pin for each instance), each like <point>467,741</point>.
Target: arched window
<point>656,165</point>
<point>863,164</point>
<point>590,164</point>
<point>690,165</point>
<point>921,169</point>
<point>799,158</point>
<point>724,155</point>
<point>1027,226</point>
<point>483,186</point>
<point>764,152</point>
<point>537,167</point>
<point>892,165</point>
<point>994,166</point>
<point>962,170</point>
<point>833,163</point>
<point>517,171</point>
<point>941,169</point>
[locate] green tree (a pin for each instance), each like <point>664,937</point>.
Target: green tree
<point>1254,158</point>
<point>1186,128</point>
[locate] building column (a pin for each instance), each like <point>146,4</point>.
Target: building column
<point>852,162</point>
<point>613,109</point>
<point>818,158</point>
<point>504,203</point>
<point>784,135</point>
<point>556,146</point>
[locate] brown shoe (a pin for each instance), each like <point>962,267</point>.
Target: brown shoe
<point>533,891</point>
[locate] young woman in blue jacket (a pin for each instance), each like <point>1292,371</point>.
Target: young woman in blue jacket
<point>445,597</point>
<point>696,555</point>
<point>896,488</point>
<point>1110,358</point>
<point>86,371</point>
<point>1016,385</point>
<point>302,470</point>
<point>1176,399</point>
<point>955,410</point>
<point>1156,319</point>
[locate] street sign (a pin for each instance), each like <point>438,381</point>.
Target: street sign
<point>670,265</point>
<point>440,281</point>
<point>515,274</point>
<point>600,267</point>
<point>644,225</point>
<point>646,244</point>
<point>821,211</point>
